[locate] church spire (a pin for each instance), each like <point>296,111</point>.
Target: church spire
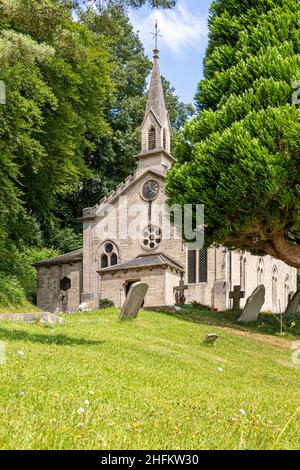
<point>156,128</point>
<point>156,99</point>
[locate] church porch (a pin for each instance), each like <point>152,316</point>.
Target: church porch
<point>158,271</point>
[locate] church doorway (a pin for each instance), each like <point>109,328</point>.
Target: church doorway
<point>64,285</point>
<point>128,284</point>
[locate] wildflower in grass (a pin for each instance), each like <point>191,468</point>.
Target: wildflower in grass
<point>21,353</point>
<point>23,394</point>
<point>86,402</point>
<point>91,392</point>
<point>243,412</point>
<point>220,369</point>
<point>80,411</point>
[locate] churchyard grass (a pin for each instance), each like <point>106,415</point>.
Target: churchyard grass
<point>96,383</point>
<point>26,307</point>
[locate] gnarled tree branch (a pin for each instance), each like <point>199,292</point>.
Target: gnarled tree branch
<point>286,251</point>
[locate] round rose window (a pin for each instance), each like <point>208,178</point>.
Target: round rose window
<point>151,237</point>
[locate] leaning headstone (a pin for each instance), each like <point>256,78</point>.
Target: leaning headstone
<point>293,305</point>
<point>253,305</point>
<point>210,339</point>
<point>134,300</point>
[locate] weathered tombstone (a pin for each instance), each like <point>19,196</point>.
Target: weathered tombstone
<point>210,339</point>
<point>293,306</point>
<point>253,305</point>
<point>237,294</point>
<point>179,292</point>
<point>134,300</point>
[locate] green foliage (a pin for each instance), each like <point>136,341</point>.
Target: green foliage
<point>104,4</point>
<point>240,156</point>
<point>106,303</point>
<point>13,297</point>
<point>199,306</point>
<point>69,128</point>
<point>58,83</point>
<point>11,291</point>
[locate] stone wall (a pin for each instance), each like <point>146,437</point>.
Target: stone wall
<point>49,296</point>
<point>161,283</point>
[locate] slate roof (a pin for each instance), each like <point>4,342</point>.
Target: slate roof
<point>61,259</point>
<point>144,261</point>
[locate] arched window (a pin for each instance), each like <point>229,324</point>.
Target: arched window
<point>203,265</point>
<point>275,287</point>
<point>165,139</point>
<point>192,266</point>
<point>243,272</point>
<point>260,272</point>
<point>197,266</point>
<point>104,261</point>
<point>113,259</point>
<point>287,290</point>
<point>152,139</point>
<point>108,255</point>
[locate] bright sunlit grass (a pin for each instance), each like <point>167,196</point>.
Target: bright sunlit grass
<point>95,383</point>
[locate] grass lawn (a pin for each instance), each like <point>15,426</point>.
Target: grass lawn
<point>26,307</point>
<point>95,383</point>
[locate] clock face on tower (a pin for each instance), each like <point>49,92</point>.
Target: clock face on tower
<point>150,190</point>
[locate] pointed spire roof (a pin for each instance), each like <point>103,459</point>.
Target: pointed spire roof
<point>156,100</point>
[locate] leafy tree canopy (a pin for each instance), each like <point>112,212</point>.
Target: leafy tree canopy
<point>241,155</point>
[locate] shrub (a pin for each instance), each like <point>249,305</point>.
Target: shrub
<point>200,306</point>
<point>106,303</point>
<point>11,291</point>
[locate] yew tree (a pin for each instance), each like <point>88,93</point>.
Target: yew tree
<point>240,156</point>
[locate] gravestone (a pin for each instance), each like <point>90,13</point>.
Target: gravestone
<point>210,339</point>
<point>179,292</point>
<point>253,305</point>
<point>236,295</point>
<point>134,300</point>
<point>293,305</point>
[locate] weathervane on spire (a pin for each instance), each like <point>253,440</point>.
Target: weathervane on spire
<point>156,35</point>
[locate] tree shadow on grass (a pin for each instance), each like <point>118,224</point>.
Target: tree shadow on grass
<point>60,340</point>
<point>264,325</point>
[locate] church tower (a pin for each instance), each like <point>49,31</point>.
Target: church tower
<point>156,128</point>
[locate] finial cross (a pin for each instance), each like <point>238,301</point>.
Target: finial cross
<point>156,35</point>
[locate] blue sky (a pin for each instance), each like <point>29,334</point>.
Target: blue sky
<point>183,45</point>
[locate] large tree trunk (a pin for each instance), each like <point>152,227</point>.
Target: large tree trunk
<point>286,251</point>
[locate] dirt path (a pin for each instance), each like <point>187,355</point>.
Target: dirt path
<point>268,339</point>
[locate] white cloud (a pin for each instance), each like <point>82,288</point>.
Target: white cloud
<point>181,29</point>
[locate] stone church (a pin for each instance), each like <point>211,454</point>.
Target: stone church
<point>110,262</point>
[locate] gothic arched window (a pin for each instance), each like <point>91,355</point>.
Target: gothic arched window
<point>287,290</point>
<point>104,261</point>
<point>260,272</point>
<point>197,266</point>
<point>274,287</point>
<point>113,259</point>
<point>243,272</point>
<point>202,265</point>
<point>108,255</point>
<point>152,138</point>
<point>192,266</point>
